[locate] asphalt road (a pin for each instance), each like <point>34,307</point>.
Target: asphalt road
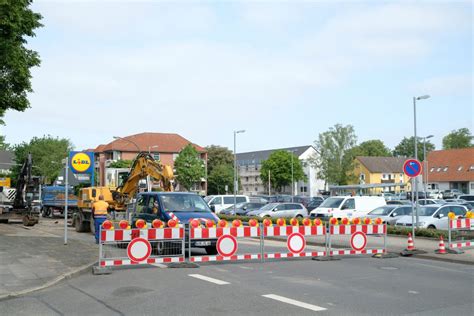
<point>349,286</point>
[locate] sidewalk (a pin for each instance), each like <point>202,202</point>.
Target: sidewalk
<point>31,258</point>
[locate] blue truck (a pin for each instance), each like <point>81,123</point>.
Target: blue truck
<point>53,201</point>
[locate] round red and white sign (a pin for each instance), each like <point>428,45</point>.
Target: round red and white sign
<point>358,240</point>
<point>296,243</point>
<point>139,249</point>
<point>227,245</point>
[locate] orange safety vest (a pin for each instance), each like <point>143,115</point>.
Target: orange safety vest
<point>100,208</point>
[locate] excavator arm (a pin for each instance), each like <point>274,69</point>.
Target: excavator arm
<point>144,165</point>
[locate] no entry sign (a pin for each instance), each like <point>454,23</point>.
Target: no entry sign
<point>412,168</point>
<point>139,249</point>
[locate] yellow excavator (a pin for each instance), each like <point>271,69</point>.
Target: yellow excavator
<point>143,166</point>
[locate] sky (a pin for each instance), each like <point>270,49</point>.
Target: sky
<point>283,71</point>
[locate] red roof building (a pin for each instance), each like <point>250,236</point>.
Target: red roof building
<point>451,169</point>
<point>162,146</point>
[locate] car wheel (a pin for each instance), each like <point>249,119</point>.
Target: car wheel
<point>431,227</point>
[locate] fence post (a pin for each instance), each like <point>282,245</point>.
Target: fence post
<point>262,244</point>
<point>189,240</point>
<point>385,240</point>
<point>183,244</point>
<point>449,232</point>
<point>100,243</point>
<point>329,239</point>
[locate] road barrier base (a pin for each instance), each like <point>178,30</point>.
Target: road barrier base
<point>409,253</point>
<point>97,270</point>
<point>385,255</point>
<point>182,265</point>
<point>325,258</point>
<point>455,251</point>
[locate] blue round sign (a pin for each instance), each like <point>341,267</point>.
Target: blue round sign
<point>412,168</point>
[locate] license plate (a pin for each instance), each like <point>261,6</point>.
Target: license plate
<point>203,243</point>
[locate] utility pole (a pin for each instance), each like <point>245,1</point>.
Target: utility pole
<point>66,198</point>
<point>269,184</point>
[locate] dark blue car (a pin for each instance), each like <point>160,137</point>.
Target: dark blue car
<point>184,205</point>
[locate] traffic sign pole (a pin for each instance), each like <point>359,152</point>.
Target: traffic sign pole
<point>412,168</point>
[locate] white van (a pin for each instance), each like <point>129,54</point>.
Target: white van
<point>219,202</point>
<point>347,206</point>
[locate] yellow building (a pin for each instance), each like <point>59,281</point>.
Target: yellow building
<point>381,170</point>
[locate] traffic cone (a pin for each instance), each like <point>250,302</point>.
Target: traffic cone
<point>411,245</point>
<point>442,249</point>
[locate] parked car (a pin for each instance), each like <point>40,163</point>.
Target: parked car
<point>399,202</point>
<point>241,209</point>
<point>435,194</point>
<point>454,201</point>
<point>390,213</point>
<point>314,204</point>
<point>430,201</point>
<point>467,197</point>
<point>347,206</point>
<point>389,196</point>
<point>279,198</point>
<point>433,216</point>
<point>467,204</point>
<point>281,210</point>
<point>219,202</point>
<point>420,195</point>
<point>451,194</point>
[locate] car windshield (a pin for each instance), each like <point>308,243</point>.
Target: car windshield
<point>384,210</point>
<point>332,202</point>
<point>183,203</point>
<point>427,210</point>
<point>268,207</point>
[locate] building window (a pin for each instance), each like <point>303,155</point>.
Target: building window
<point>445,169</point>
<point>256,167</point>
<point>256,179</point>
<point>472,186</point>
<point>362,177</point>
<point>459,168</point>
<point>246,179</point>
<point>471,168</point>
<point>304,189</point>
<point>432,169</point>
<point>175,156</point>
<point>247,168</point>
<point>384,176</point>
<point>439,169</point>
<point>256,189</point>
<point>156,156</point>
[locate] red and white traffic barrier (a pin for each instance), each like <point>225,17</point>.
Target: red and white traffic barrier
<point>296,239</point>
<point>125,246</point>
<point>227,241</point>
<point>358,236</point>
<point>457,225</point>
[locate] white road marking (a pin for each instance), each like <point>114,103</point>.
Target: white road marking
<point>413,292</point>
<point>294,302</point>
<point>246,268</point>
<point>208,279</point>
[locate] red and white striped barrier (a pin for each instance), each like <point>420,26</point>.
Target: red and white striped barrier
<point>456,225</point>
<point>122,247</point>
<point>296,240</point>
<point>358,238</point>
<point>226,244</point>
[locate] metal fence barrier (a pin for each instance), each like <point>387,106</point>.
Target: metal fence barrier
<point>225,243</point>
<point>121,247</point>
<point>464,228</point>
<point>358,237</point>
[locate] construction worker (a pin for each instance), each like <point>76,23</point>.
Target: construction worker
<point>99,212</point>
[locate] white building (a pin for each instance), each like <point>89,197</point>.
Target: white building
<point>250,163</point>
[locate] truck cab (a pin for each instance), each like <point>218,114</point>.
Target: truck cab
<point>184,205</point>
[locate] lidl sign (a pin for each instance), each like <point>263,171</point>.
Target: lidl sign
<point>81,162</point>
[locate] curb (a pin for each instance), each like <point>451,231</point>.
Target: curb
<point>65,276</point>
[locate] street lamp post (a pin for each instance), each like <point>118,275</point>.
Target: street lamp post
<point>425,163</point>
<point>416,157</point>
<point>292,177</point>
<point>235,166</point>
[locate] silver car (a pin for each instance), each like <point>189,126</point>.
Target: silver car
<point>281,210</point>
<point>433,216</point>
<point>390,213</point>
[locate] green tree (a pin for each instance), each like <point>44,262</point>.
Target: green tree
<point>17,22</point>
<point>279,166</point>
<point>3,145</point>
<point>461,138</point>
<point>220,176</point>
<point>406,148</point>
<point>373,148</point>
<point>335,158</point>
<point>217,155</point>
<point>189,167</point>
<point>47,154</point>
<point>121,164</point>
